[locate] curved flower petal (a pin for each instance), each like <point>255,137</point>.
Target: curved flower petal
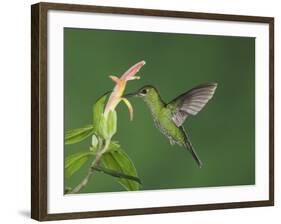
<point>132,71</point>
<point>130,108</point>
<point>114,78</point>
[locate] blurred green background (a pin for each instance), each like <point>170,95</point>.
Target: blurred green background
<point>223,133</point>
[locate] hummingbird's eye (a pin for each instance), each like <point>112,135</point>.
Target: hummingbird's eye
<point>144,91</point>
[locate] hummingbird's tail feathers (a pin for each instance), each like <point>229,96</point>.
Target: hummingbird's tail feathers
<point>194,154</point>
<point>190,148</point>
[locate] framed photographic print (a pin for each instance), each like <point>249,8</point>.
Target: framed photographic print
<point>139,111</point>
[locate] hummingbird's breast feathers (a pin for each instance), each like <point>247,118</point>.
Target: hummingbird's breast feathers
<point>153,99</point>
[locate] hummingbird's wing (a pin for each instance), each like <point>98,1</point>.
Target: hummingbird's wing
<point>191,102</point>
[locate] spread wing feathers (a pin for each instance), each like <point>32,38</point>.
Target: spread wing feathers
<point>191,102</point>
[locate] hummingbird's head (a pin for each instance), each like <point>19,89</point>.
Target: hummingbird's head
<point>150,96</point>
<point>146,92</point>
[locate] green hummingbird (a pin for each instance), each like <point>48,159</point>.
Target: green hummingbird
<point>169,117</point>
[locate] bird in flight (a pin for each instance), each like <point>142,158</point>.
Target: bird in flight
<point>169,117</point>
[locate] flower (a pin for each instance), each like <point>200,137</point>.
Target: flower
<point>117,93</point>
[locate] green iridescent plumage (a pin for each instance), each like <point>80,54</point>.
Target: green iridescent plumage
<point>168,118</point>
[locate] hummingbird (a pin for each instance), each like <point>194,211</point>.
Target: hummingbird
<point>169,117</point>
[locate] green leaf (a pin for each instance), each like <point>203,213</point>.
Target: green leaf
<point>116,174</point>
<point>119,161</point>
<point>111,123</point>
<point>98,111</point>
<point>103,127</point>
<point>75,161</point>
<point>113,146</point>
<point>95,141</point>
<point>108,124</point>
<point>78,134</point>
<point>67,190</point>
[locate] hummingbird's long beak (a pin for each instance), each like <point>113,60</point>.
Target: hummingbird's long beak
<point>131,94</point>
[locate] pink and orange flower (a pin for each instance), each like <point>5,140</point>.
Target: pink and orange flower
<point>117,93</point>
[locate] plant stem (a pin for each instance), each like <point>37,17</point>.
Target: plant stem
<point>94,164</point>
